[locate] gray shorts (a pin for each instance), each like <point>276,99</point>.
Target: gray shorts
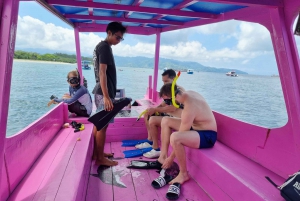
<point>100,104</point>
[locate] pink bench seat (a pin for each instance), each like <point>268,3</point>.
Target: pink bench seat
<point>235,177</point>
<point>61,172</point>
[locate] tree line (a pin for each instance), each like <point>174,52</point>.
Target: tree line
<point>58,57</point>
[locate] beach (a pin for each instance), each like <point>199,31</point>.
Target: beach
<point>40,61</point>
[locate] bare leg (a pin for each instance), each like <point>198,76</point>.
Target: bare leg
<point>154,123</point>
<point>100,142</point>
<point>95,146</point>
<point>167,124</point>
<point>178,141</point>
<point>148,128</point>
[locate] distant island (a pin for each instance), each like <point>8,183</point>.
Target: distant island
<point>135,62</point>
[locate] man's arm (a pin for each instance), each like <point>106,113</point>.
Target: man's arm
<point>103,79</point>
<point>187,119</point>
<point>108,105</point>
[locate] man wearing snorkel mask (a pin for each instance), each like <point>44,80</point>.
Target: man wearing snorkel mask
<point>78,99</point>
<point>106,86</point>
<point>153,118</point>
<point>197,128</point>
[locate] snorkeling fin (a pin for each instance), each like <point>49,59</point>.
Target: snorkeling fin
<point>132,143</point>
<point>102,118</point>
<point>141,164</point>
<point>136,152</point>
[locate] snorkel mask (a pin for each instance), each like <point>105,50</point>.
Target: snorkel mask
<point>73,80</point>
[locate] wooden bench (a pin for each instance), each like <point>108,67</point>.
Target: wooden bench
<point>227,175</point>
<point>61,172</point>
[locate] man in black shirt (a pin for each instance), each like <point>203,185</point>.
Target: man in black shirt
<point>106,85</point>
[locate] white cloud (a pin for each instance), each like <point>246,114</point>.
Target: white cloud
<point>227,27</point>
<point>33,33</point>
<point>245,61</point>
<point>253,37</point>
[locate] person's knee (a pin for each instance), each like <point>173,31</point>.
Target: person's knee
<point>165,121</point>
<point>175,139</point>
<point>153,121</point>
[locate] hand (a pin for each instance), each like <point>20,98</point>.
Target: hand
<point>108,105</point>
<point>168,163</point>
<point>150,111</point>
<point>50,102</point>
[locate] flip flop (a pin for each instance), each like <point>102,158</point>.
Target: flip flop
<point>141,164</point>
<point>173,191</point>
<point>161,181</point>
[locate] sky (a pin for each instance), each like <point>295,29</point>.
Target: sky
<point>232,44</point>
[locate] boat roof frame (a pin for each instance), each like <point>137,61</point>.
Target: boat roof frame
<point>83,16</point>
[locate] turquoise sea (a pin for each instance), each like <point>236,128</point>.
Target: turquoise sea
<point>250,98</point>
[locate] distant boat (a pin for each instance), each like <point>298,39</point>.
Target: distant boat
<point>165,69</point>
<point>85,65</point>
<point>190,71</point>
<point>232,74</point>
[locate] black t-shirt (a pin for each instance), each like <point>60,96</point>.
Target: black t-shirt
<point>103,55</point>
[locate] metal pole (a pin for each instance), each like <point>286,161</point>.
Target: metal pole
<point>156,62</point>
<point>8,28</point>
<point>78,55</point>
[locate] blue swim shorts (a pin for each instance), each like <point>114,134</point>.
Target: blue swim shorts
<point>207,138</point>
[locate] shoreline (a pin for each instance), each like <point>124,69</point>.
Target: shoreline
<point>41,61</point>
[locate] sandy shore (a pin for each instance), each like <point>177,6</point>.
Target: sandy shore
<point>39,61</point>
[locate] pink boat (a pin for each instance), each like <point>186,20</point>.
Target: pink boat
<point>47,162</point>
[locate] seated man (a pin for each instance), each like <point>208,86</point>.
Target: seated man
<point>153,123</point>
<point>197,129</point>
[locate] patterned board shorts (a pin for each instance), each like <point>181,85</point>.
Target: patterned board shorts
<point>100,104</point>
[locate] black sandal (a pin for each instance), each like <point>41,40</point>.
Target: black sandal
<point>161,181</point>
<point>173,191</point>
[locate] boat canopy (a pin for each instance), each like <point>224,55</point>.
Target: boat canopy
<point>146,17</point>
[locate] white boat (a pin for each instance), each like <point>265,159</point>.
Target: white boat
<point>165,69</point>
<point>190,71</point>
<point>232,74</point>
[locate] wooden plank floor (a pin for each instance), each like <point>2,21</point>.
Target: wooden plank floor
<point>120,183</point>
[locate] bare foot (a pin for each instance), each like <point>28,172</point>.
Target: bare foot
<point>181,178</point>
<point>161,159</point>
<point>106,162</point>
<point>94,157</point>
<point>108,154</point>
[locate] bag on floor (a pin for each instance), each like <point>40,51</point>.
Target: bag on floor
<point>290,189</point>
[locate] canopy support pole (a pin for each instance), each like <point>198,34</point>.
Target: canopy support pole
<point>78,55</point>
<point>8,30</point>
<point>156,64</point>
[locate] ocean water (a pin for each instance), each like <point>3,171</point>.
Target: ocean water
<point>254,99</point>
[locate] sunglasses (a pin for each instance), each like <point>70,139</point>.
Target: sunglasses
<point>119,38</point>
<point>168,101</point>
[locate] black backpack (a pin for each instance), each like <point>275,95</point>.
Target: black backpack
<point>290,189</point>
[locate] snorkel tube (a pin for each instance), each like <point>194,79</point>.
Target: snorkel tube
<point>156,114</point>
<point>141,115</point>
<point>173,90</point>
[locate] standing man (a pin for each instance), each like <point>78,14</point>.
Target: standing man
<point>197,129</point>
<point>106,85</point>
